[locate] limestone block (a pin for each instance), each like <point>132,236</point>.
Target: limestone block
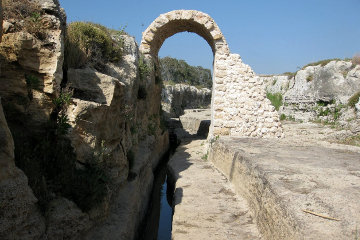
<point>209,25</point>
<point>187,15</point>
<point>219,80</point>
<point>201,18</point>
<point>100,88</point>
<point>149,36</point>
<point>160,21</point>
<point>221,131</point>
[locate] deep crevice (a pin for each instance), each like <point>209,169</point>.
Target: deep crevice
<point>158,219</point>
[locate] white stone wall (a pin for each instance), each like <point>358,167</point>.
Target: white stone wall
<point>239,103</point>
<point>239,106</point>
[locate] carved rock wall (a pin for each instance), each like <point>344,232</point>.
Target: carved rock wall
<point>175,99</point>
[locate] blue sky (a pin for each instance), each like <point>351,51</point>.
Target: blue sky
<point>271,36</point>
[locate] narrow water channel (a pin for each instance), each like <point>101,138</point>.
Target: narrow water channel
<point>158,221</point>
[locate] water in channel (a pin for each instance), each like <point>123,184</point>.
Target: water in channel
<point>158,222</point>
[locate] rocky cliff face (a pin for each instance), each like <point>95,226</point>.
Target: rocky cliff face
<point>87,138</point>
<point>109,117</point>
<point>20,217</point>
<point>176,98</point>
<point>320,92</point>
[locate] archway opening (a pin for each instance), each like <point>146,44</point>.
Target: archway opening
<point>186,66</point>
<point>178,21</point>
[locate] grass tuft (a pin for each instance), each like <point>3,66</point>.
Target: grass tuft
<point>275,99</point>
<point>354,99</point>
<point>28,13</point>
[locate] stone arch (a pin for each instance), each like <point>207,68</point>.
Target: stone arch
<point>238,105</point>
<point>178,21</point>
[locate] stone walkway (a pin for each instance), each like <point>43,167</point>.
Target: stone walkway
<point>206,206</point>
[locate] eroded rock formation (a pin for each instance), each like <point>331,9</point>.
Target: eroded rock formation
<point>319,92</point>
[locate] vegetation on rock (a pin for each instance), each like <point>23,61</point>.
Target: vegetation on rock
<point>90,43</point>
<point>27,14</point>
<point>309,78</point>
<point>178,71</point>
<point>354,99</point>
<point>289,74</point>
<point>275,99</point>
<point>356,60</point>
<point>324,62</point>
<point>144,69</point>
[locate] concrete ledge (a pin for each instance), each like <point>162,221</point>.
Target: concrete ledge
<point>280,180</point>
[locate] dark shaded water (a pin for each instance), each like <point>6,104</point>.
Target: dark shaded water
<point>166,213</point>
<point>158,221</point>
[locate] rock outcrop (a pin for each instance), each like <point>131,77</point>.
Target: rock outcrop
<point>174,99</point>
<point>20,217</point>
<point>31,69</point>
<point>318,92</point>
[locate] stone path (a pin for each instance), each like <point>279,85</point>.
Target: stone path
<point>206,206</point>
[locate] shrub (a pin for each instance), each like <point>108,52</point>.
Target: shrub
<point>144,69</point>
<point>275,99</point>
<point>90,42</point>
<point>322,103</point>
<point>324,112</point>
<point>282,117</point>
<point>337,112</point>
<point>356,59</point>
<point>354,99</point>
<point>62,100</point>
<point>290,118</point>
<point>309,78</point>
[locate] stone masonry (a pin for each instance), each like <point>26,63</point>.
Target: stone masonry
<point>239,106</point>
